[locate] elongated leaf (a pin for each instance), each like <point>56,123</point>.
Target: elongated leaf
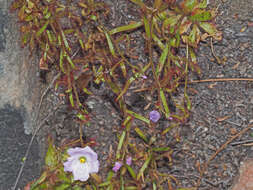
<point>184,26</point>
<point>164,102</point>
<point>131,171</point>
<point>51,159</point>
<point>71,100</point>
<point>122,183</point>
<point>42,178</point>
<point>188,101</point>
<point>121,140</point>
<point>194,36</point>
<point>127,28</point>
<point>211,29</point>
<point>137,116</point>
<point>140,3</point>
<point>203,4</point>
<point>162,59</point>
<point>147,27</point>
<point>63,186</point>
<point>105,184</point>
<point>193,62</point>
<point>65,41</point>
<point>61,62</point>
<point>188,5</point>
<point>131,188</point>
<point>158,42</point>
<point>161,149</point>
<point>141,134</point>
<point>128,83</point>
<point>70,62</point>
<point>144,167</point>
<point>110,44</point>
<point>200,15</point>
<point>43,28</point>
<point>171,21</point>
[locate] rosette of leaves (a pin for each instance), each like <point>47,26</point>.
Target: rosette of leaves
<point>66,35</point>
<point>173,26</point>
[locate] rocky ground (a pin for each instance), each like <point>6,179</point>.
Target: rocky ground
<point>220,109</point>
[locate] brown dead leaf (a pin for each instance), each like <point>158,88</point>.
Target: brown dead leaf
<point>212,85</point>
<point>236,65</point>
<point>243,29</point>
<point>223,118</point>
<point>233,131</point>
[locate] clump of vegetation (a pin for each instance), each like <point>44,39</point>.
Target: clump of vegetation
<point>72,38</point>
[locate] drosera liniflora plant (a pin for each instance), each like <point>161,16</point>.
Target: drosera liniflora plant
<point>72,38</point>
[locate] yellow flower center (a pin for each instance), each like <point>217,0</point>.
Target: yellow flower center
<point>82,159</point>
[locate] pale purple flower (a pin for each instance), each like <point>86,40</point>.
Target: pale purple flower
<point>144,77</point>
<point>81,162</point>
<point>154,116</point>
<point>129,160</point>
<point>117,166</point>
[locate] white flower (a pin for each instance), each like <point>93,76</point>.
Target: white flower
<point>81,163</point>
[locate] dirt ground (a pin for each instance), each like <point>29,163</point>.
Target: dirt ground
<point>220,109</point>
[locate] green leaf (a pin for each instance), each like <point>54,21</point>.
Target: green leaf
<point>131,171</point>
<point>63,186</point>
<point>127,28</point>
<point>147,27</point>
<point>203,4</point>
<point>140,3</point>
<point>188,5</point>
<point>104,184</point>
<point>164,102</point>
<point>193,62</point>
<point>131,188</point>
<point>162,59</point>
<point>70,62</point>
<point>211,29</point>
<point>200,15</point>
<point>184,26</point>
<point>42,178</point>
<point>61,61</point>
<point>188,101</point>
<point>194,36</point>
<point>158,41</point>
<point>51,159</point>
<point>121,140</point>
<point>77,188</point>
<point>110,44</point>
<point>43,28</point>
<point>65,41</point>
<point>128,83</point>
<point>144,167</point>
<point>141,134</point>
<point>161,149</point>
<point>71,99</point>
<point>171,21</point>
<point>137,116</point>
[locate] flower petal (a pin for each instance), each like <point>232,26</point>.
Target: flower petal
<point>68,166</point>
<point>77,152</point>
<point>94,166</point>
<point>117,166</point>
<point>129,160</point>
<point>154,116</point>
<point>80,171</point>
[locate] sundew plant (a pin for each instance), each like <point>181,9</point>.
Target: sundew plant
<point>73,39</point>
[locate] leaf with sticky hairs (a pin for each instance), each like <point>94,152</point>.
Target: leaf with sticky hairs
<point>144,167</point>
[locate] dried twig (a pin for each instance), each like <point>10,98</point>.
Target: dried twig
<point>31,141</point>
<point>220,80</point>
<point>219,150</point>
<point>42,122</point>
